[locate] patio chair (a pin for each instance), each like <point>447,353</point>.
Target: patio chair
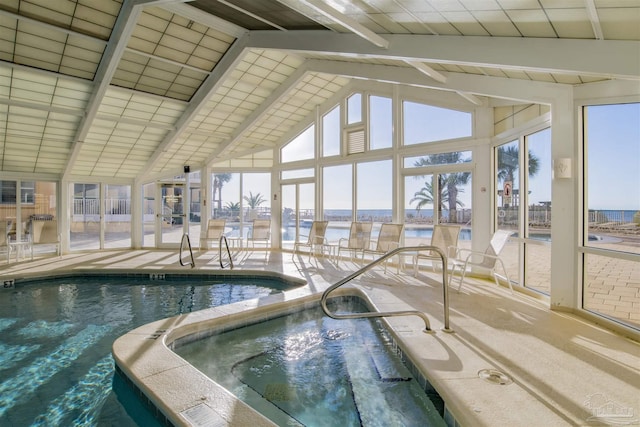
<point>260,233</point>
<point>388,239</point>
<point>315,240</point>
<point>4,238</point>
<point>445,238</point>
<point>213,233</point>
<point>45,232</point>
<point>487,260</point>
<point>358,241</point>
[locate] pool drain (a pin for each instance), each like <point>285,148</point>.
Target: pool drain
<point>495,377</point>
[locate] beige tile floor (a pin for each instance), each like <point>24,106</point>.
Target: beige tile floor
<point>565,370</point>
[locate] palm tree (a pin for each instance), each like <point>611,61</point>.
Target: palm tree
<point>219,179</point>
<point>508,163</point>
<point>426,196</point>
<point>254,200</point>
<point>233,208</point>
<point>448,183</point>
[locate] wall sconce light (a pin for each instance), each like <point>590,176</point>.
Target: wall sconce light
<point>562,168</point>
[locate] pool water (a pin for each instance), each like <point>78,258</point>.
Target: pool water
<point>308,369</point>
<point>56,367</point>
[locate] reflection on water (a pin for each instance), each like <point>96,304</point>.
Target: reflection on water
<point>308,369</point>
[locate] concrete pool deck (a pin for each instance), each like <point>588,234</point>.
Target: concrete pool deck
<point>564,370</point>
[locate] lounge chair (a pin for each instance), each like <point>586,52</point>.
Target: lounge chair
<point>445,238</point>
<point>487,260</point>
<point>388,239</point>
<point>358,241</point>
<point>213,233</point>
<point>44,232</point>
<point>260,233</point>
<point>4,238</point>
<point>315,240</point>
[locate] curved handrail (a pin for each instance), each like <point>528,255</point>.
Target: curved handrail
<point>193,263</point>
<point>367,267</point>
<point>226,243</point>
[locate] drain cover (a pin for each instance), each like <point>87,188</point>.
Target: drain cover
<point>495,377</point>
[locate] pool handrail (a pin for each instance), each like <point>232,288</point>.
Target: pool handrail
<point>223,238</point>
<point>423,316</point>
<point>192,263</point>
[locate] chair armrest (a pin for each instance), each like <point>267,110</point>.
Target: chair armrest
<point>471,253</point>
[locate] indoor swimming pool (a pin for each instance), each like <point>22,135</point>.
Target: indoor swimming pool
<point>56,367</point>
<point>306,369</point>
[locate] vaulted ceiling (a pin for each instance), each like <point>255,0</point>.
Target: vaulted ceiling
<point>110,89</point>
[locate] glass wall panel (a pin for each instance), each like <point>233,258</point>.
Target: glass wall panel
<point>508,186</point>
<point>537,200</point>
<point>195,208</point>
<point>538,192</point>
<point>9,206</point>
<point>226,198</point>
<point>437,159</point>
<point>42,204</point>
<point>172,203</point>
<point>256,200</point>
<point>380,122</point>
<point>611,288</point>
<point>613,173</point>
<point>149,215</point>
<point>289,216</point>
<point>85,217</point>
<point>21,202</point>
<point>117,218</point>
<point>374,195</point>
<point>299,173</point>
<point>298,212</point>
<point>301,147</point>
<point>508,203</point>
<point>337,200</point>
<point>331,133</point>
<point>612,212</point>
<point>354,108</point>
<point>537,267</point>
<point>418,209</point>
<point>426,123</point>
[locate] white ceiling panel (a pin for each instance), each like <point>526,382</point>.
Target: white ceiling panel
<point>172,87</point>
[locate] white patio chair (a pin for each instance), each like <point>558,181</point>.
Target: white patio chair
<point>213,233</point>
<point>45,232</point>
<point>315,240</point>
<point>358,241</point>
<point>388,239</point>
<point>260,233</point>
<point>445,238</point>
<point>4,238</point>
<point>487,260</point>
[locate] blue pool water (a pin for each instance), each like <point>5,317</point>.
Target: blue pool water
<point>56,367</point>
<point>308,369</point>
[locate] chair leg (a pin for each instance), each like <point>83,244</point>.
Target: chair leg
<point>506,275</point>
<point>462,274</point>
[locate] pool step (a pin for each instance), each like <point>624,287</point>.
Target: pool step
<point>382,390</point>
<point>389,369</point>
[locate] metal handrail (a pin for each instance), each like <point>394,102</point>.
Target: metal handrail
<point>193,263</point>
<point>367,267</point>
<point>226,243</point>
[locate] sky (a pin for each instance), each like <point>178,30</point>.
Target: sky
<point>613,162</point>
